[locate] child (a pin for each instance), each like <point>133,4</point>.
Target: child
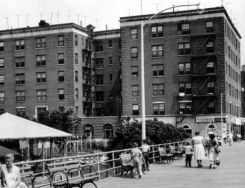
<point>188,154</point>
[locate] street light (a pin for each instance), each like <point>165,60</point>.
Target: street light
<point>142,24</point>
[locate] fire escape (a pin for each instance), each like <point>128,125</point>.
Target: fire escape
<point>203,76</point>
<point>88,73</point>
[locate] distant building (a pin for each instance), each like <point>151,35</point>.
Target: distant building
<point>192,58</point>
<point>45,68</point>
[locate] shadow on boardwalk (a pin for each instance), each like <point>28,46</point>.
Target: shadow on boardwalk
<point>230,174</point>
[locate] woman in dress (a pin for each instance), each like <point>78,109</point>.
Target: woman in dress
<point>212,149</point>
<point>199,152</point>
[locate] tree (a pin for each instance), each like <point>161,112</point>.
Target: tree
<point>65,121</point>
<point>157,133</point>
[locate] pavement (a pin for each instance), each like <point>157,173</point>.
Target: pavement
<point>230,173</point>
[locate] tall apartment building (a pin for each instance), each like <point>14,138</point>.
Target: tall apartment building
<point>192,69</point>
<point>107,72</point>
<point>46,68</point>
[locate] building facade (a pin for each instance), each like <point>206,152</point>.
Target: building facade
<point>192,69</point>
<point>43,68</point>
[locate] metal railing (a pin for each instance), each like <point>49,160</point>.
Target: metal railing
<point>105,163</point>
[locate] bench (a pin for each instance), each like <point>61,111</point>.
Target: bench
<point>164,156</point>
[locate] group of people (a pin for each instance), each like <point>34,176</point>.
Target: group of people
<point>203,149</point>
<point>140,157</point>
<point>10,174</point>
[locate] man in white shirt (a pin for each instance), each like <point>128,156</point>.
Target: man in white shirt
<point>10,174</point>
<point>146,149</point>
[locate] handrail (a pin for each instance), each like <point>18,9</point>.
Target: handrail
<point>95,159</point>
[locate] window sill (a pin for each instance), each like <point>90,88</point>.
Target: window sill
<point>183,55</point>
<point>157,37</point>
<point>161,76</point>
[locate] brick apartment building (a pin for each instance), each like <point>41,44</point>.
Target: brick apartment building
<point>192,58</point>
<point>45,68</point>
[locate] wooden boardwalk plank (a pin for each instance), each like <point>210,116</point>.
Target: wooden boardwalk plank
<point>230,174</point>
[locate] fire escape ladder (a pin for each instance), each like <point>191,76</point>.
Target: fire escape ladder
<point>204,102</point>
<point>204,83</point>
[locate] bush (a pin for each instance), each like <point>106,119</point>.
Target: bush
<point>157,132</point>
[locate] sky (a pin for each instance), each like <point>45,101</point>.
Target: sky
<point>103,13</point>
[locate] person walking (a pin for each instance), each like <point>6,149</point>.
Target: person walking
<point>146,149</point>
<point>10,174</point>
<point>199,152</point>
<point>137,158</point>
<point>212,150</point>
<point>229,138</point>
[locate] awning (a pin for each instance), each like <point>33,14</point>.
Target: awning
<point>15,127</point>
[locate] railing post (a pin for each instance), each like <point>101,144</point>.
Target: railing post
<point>98,162</point>
<point>153,154</point>
<point>113,162</point>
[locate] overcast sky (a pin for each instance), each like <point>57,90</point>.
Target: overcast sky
<point>20,13</point>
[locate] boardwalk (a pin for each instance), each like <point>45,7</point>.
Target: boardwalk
<point>230,174</point>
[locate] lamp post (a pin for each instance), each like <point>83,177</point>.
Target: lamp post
<point>142,24</point>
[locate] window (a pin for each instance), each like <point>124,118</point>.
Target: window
<point>76,40</point>
<point>1,63</point>
<point>19,62</point>
<point>1,46</point>
<point>76,58</point>
<point>134,33</point>
<point>99,79</point>
<point>135,90</point>
<point>156,31</point>
<point>110,43</point>
<point>209,27</point>
<point>76,93</point>
<point>159,109</point>
<point>61,76</point>
<point>185,88</point>
<point>184,48</point>
<point>99,63</point>
<point>184,28</point>
<point>158,89</point>
<point>108,131</point>
<point>88,131</point>
<point>185,107</point>
<point>41,109</point>
<point>41,60</point>
<point>1,96</point>
<point>210,47</point>
<point>98,46</point>
<point>110,77</point>
<point>1,80</point>
<point>135,109</point>
<point>61,60</point>
<point>76,76</point>
<point>61,93</point>
<point>19,44</point>
<point>184,68</point>
<point>20,95</point>
<point>41,77</point>
<point>21,111</point>
<point>188,131</point>
<point>210,87</point>
<point>210,67</point>
<point>211,107</point>
<point>41,95</point>
<point>99,109</point>
<point>110,61</point>
<point>157,70</point>
<point>61,108</point>
<point>157,51</point>
<point>134,71</point>
<point>19,78</point>
<point>99,96</point>
<point>61,41</point>
<point>134,52</point>
<point>41,42</point>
